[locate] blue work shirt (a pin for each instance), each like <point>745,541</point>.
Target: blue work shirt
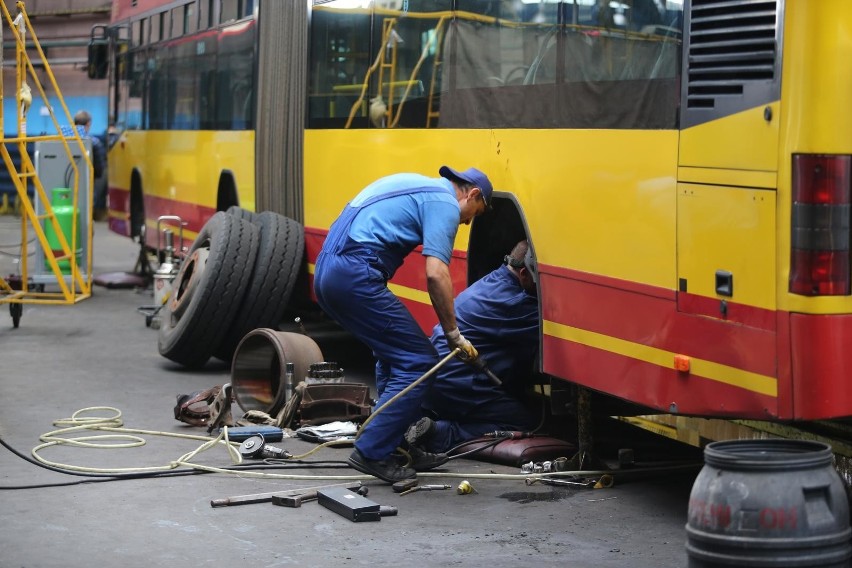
<point>501,320</point>
<point>98,156</point>
<point>430,218</point>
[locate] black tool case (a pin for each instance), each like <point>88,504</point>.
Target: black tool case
<point>349,504</point>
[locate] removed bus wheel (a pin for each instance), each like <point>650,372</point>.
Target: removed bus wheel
<point>276,269</point>
<point>245,214</point>
<point>208,291</point>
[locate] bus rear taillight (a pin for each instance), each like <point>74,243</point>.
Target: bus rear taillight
<point>819,260</point>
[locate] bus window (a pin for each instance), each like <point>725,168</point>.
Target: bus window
<point>183,79</point>
<point>490,65</point>
<point>158,95</point>
<point>235,105</point>
<point>549,72</point>
<point>205,68</point>
<point>128,112</point>
<point>363,58</point>
<point>340,48</point>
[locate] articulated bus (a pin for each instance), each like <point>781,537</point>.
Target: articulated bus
<point>683,169</point>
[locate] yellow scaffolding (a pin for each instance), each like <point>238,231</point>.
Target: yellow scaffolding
<point>76,285</point>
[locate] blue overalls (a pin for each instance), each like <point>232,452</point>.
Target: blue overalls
<point>502,321</point>
<point>350,282</point>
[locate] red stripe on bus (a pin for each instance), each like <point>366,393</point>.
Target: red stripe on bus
<point>734,312</point>
<point>820,345</point>
<point>625,285</point>
<point>649,385</point>
<point>195,216</point>
<point>412,274</point>
<point>649,319</point>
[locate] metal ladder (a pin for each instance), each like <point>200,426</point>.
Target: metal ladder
<point>75,285</point>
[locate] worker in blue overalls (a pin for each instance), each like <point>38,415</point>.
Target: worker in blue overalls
<point>364,248</point>
<point>499,314</point>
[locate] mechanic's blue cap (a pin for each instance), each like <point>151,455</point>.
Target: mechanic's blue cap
<point>471,175</point>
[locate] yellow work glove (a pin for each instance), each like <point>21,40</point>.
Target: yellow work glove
<point>456,339</point>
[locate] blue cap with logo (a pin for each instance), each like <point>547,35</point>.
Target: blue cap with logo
<point>471,175</point>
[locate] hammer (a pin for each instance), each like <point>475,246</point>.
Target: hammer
<point>295,501</point>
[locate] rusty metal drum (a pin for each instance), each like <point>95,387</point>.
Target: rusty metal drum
<point>769,502</point>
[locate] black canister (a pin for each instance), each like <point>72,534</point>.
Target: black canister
<point>769,502</point>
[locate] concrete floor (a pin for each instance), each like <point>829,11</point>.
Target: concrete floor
<point>98,353</point>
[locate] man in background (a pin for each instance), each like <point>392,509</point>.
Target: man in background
<point>83,124</point>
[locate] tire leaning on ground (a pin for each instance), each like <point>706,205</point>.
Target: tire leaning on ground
<point>279,260</point>
<point>208,290</point>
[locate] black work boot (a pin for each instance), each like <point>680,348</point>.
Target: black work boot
<point>422,460</point>
<point>386,469</point>
<point>420,432</point>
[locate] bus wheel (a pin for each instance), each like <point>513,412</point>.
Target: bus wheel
<point>207,294</point>
<point>279,259</point>
<point>238,211</point>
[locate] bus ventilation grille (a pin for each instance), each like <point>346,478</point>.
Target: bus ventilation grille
<point>732,44</point>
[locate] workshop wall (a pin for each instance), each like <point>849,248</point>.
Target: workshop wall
<point>63,28</point>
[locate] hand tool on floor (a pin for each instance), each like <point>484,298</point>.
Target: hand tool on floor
<point>588,484</point>
<point>424,488</point>
<point>604,482</point>
<point>267,497</point>
<point>404,485</point>
<point>256,447</point>
<point>295,501</point>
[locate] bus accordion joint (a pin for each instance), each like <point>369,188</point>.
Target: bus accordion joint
<point>820,227</point>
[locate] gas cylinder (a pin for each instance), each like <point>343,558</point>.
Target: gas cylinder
<point>165,274</point>
<point>62,203</point>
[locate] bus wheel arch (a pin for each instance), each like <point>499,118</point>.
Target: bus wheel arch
<point>137,206</point>
<point>493,235</point>
<point>226,192</point>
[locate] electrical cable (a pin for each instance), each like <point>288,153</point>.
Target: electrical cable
<point>101,475</point>
<point>498,439</point>
<point>127,438</point>
<point>476,450</point>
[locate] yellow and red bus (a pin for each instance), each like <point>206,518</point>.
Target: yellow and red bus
<point>683,169</point>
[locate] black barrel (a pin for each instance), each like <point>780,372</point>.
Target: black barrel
<point>768,503</point>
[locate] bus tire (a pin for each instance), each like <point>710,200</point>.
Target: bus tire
<point>238,211</point>
<point>207,293</point>
<point>279,260</point>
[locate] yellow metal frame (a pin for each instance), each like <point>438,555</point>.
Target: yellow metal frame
<point>389,44</point>
<point>80,286</point>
